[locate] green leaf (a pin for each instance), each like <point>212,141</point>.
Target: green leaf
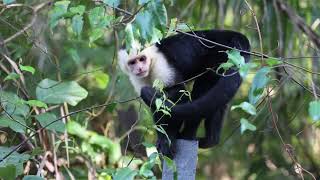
<point>141,2</point>
<point>5,121</point>
<point>159,14</point>
<point>246,125</point>
<point>158,84</point>
<point>114,153</point>
<point>27,68</point>
<point>98,18</point>
<point>14,159</point>
<point>158,103</point>
<point>112,3</point>
<point>47,118</point>
<point>95,34</point>
<point>260,81</point>
<point>111,107</point>
<point>12,76</point>
<point>77,24</point>
<point>101,79</point>
<point>145,169</point>
<point>235,58</point>
<point>170,163</point>
<point>273,62</point>
<point>8,172</point>
<point>100,140</point>
<point>36,103</point>
<point>145,24</point>
<point>12,104</point>
<point>74,55</point>
<point>32,177</point>
<point>225,66</point>
<point>59,10</point>
<point>125,174</point>
<point>161,130</point>
<point>244,70</point>
<point>6,2</point>
<point>172,26</point>
<point>148,145</point>
<point>78,9</point>
<point>54,92</point>
<point>247,107</point>
<point>76,129</point>
<point>314,110</point>
<point>129,36</point>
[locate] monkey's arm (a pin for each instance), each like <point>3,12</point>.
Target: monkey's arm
<point>219,95</point>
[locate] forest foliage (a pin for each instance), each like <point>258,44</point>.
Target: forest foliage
<point>68,112</point>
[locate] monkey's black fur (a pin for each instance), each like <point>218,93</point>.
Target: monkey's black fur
<point>211,92</point>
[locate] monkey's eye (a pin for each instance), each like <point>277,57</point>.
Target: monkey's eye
<point>142,58</point>
<point>132,62</point>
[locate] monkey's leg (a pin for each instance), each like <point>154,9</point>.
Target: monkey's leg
<point>213,127</point>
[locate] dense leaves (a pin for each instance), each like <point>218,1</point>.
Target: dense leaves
<point>58,71</point>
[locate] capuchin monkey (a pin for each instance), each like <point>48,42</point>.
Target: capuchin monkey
<point>176,59</point>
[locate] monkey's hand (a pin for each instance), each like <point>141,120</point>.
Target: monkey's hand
<point>149,95</point>
<point>163,146</point>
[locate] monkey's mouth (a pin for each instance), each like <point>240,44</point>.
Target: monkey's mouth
<point>142,73</point>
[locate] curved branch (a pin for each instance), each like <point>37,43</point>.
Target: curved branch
<point>30,24</point>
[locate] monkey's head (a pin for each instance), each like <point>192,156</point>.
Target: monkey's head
<point>134,63</point>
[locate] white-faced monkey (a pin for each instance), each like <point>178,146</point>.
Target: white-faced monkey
<point>179,58</point>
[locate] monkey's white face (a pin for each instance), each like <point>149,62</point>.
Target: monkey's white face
<point>139,66</point>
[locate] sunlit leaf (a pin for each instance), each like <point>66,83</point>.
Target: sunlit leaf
<point>47,118</point>
<point>27,68</point>
<point>246,125</point>
<point>314,110</point>
<point>158,103</point>
<point>172,26</point>
<point>247,107</point>
<point>78,9</point>
<point>54,92</point>
<point>235,58</point>
<point>225,66</point>
<point>36,103</point>
<point>102,79</point>
<point>273,61</point>
<point>95,34</point>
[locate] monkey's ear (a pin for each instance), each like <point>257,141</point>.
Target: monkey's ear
<point>123,57</point>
